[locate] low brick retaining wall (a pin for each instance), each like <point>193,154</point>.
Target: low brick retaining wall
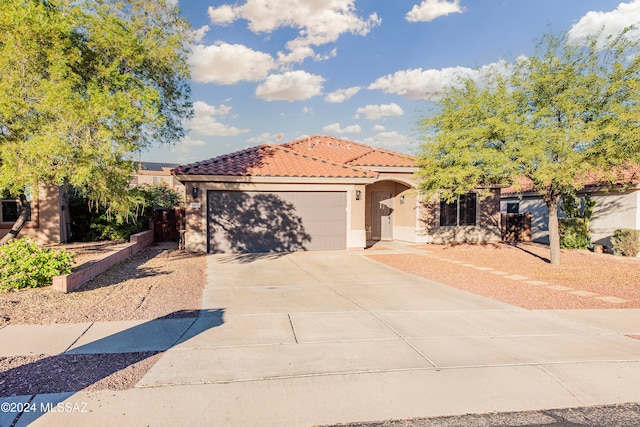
<point>72,281</point>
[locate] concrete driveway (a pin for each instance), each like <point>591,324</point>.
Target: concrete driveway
<point>334,337</point>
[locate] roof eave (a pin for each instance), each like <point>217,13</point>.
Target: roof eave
<point>275,179</point>
<point>387,169</point>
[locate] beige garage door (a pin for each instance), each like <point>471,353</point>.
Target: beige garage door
<point>287,221</point>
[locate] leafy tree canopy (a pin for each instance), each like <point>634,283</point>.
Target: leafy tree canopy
<point>84,85</point>
<point>568,114</point>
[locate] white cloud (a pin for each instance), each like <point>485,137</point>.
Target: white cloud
<point>319,22</point>
<point>199,34</point>
<point>429,84</point>
<point>182,151</point>
<point>205,122</point>
<point>290,86</point>
<point>429,10</point>
<point>202,109</point>
<point>342,95</point>
<point>610,23</point>
<point>392,140</point>
<point>187,141</point>
<point>228,63</point>
<point>307,110</point>
<point>378,128</point>
<point>264,138</point>
<point>335,128</point>
<point>375,112</point>
<point>418,83</point>
<point>222,15</point>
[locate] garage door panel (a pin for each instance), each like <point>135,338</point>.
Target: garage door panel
<point>242,222</point>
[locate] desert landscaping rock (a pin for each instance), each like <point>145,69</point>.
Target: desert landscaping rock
<point>35,374</point>
<point>614,281</point>
<point>154,283</point>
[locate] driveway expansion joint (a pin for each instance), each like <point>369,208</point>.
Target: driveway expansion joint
<point>386,324</point>
<point>293,330</point>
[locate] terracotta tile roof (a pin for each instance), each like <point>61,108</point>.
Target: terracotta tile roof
<point>274,161</point>
<point>347,152</point>
<point>627,175</point>
<point>380,157</point>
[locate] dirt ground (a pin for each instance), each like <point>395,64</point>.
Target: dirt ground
<point>578,282</point>
<point>157,282</point>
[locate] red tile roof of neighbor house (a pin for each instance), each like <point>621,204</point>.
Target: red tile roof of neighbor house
<point>622,176</point>
<point>347,152</point>
<point>273,161</point>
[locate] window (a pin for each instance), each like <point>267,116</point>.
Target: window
<point>10,211</point>
<point>459,212</point>
<point>513,208</point>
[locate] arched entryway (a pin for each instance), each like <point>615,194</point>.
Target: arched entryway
<point>387,211</point>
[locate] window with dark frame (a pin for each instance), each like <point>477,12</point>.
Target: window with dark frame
<point>10,211</point>
<point>461,211</point>
<point>513,208</point>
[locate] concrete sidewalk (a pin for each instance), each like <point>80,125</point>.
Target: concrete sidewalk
<point>333,337</point>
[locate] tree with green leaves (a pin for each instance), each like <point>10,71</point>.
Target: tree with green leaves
<point>558,119</point>
<point>85,86</point>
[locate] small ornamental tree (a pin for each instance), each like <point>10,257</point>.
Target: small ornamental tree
<point>574,228</point>
<point>557,118</point>
<point>85,86</point>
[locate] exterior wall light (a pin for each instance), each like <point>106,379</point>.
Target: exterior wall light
<point>402,200</point>
<point>358,194</point>
<point>194,192</point>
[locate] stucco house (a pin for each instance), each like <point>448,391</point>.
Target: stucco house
<point>617,206</point>
<point>49,222</point>
<point>154,173</point>
<point>320,193</point>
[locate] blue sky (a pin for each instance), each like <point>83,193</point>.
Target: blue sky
<point>364,70</point>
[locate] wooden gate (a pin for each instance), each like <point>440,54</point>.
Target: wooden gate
<point>168,224</point>
<point>515,227</point>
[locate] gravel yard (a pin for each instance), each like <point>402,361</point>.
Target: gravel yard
<point>154,283</point>
<point>523,276</point>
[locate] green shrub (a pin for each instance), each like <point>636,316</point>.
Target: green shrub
<point>92,222</point>
<point>574,233</point>
<point>24,264</point>
<point>626,242</point>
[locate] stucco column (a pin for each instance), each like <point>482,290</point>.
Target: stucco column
<point>356,233</point>
<point>196,218</point>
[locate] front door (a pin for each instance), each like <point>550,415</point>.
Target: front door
<point>381,212</point>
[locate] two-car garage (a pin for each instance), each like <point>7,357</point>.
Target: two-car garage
<point>280,221</point>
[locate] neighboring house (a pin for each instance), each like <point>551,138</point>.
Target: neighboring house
<point>152,173</point>
<point>617,206</point>
<point>49,222</point>
<point>320,193</point>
